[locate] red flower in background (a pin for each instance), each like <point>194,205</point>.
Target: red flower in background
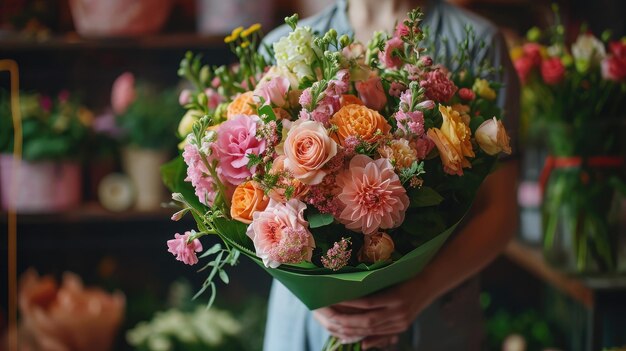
<point>533,52</point>
<point>552,70</point>
<point>614,66</point>
<point>523,66</point>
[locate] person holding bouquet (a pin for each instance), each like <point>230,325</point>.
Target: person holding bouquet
<point>439,308</point>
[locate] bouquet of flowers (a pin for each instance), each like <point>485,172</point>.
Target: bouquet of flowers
<point>575,97</point>
<point>340,168</point>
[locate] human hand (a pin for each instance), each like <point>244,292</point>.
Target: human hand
<point>377,319</point>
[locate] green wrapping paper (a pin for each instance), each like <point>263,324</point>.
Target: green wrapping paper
<point>320,290</point>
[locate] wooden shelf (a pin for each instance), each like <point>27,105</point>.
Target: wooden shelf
<point>582,289</point>
<point>93,212</point>
<point>11,42</point>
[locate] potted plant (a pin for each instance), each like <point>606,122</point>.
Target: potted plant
<point>147,117</point>
<point>54,132</point>
<point>577,94</point>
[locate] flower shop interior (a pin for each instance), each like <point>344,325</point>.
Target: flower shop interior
<point>103,103</point>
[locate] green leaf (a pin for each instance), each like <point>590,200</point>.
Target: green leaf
<point>267,113</point>
<point>223,276</point>
<point>317,219</point>
<point>424,196</point>
<point>233,230</point>
<point>212,250</point>
<point>212,298</point>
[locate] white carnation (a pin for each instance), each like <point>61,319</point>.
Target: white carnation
<point>296,52</point>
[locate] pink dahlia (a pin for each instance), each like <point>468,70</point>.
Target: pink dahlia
<point>183,249</point>
<point>372,195</point>
<point>199,176</point>
<point>236,139</point>
<point>280,234</point>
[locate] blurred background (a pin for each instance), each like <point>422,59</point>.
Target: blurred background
<point>85,233</point>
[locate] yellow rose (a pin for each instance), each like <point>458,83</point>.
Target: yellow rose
<point>492,138</point>
<point>453,140</point>
<point>482,88</point>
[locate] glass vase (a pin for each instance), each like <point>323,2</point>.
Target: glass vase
<point>583,220</point>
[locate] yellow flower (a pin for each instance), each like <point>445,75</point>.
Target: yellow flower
<point>245,44</point>
<point>236,32</point>
<point>253,28</point>
<point>482,88</point>
<point>229,39</point>
<point>453,141</point>
<point>516,53</point>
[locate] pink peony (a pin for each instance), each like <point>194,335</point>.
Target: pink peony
<point>236,139</point>
<point>123,92</point>
<point>371,92</point>
<point>198,175</point>
<point>273,91</point>
<point>183,250</point>
<point>389,57</point>
<point>438,86</point>
<point>280,234</point>
<point>372,196</point>
<point>552,70</point>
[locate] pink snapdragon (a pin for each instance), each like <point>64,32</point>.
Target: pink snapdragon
<point>199,175</point>
<point>438,85</point>
<point>389,57</point>
<point>410,122</point>
<point>236,139</point>
<point>183,249</point>
<point>280,234</point>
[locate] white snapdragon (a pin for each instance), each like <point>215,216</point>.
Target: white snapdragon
<point>296,52</point>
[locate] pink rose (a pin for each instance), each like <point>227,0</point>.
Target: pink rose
<point>552,70</point>
<point>308,147</point>
<point>371,92</point>
<point>273,91</point>
<point>389,57</point>
<point>371,195</point>
<point>236,139</point>
<point>280,234</point>
<point>377,247</point>
<point>123,92</point>
<point>183,250</point>
<point>492,138</point>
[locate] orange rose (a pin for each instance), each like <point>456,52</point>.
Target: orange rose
<point>359,121</point>
<point>348,99</point>
<point>377,247</point>
<point>247,199</point>
<point>452,141</point>
<point>242,105</point>
<point>307,149</point>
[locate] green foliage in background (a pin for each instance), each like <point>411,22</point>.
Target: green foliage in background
<point>52,129</point>
<point>151,120</point>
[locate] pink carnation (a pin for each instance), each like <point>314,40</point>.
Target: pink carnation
<point>280,234</point>
<point>183,250</point>
<point>198,175</point>
<point>438,86</point>
<point>371,195</point>
<point>236,139</point>
<point>388,56</point>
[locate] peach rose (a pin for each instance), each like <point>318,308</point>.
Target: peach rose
<point>371,92</point>
<point>284,181</point>
<point>359,121</point>
<point>242,105</point>
<point>377,247</point>
<point>492,138</point>
<point>348,99</point>
<point>307,149</point>
<point>452,141</point>
<point>247,199</point>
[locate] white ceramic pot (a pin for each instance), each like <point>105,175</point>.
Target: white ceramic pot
<point>143,168</point>
<point>40,187</point>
